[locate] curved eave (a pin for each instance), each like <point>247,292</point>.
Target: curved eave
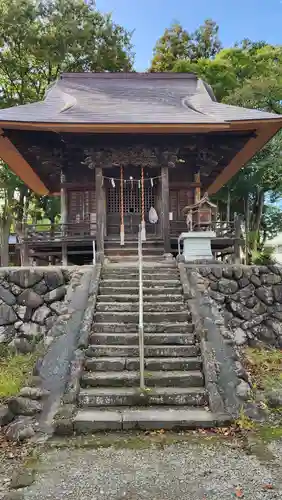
<point>166,128</point>
<point>17,163</point>
<point>255,144</point>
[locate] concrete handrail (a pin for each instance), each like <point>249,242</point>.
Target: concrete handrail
<point>141,322</point>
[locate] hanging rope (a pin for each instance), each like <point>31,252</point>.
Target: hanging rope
<point>149,179</point>
<point>121,208</point>
<point>143,227</point>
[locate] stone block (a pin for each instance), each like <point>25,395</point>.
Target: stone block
<point>270,279</point>
<point>243,390</point>
<point>277,292</point>
<point>7,315</point>
<point>255,280</point>
<point>243,282</point>
<point>265,295</point>
<point>24,406</point>
<point>25,278</point>
<point>30,299</point>
<point>265,334</point>
<point>227,272</point>
<point>54,279</point>
<point>240,311</point>
<point>237,272</point>
<point>41,314</point>
<point>24,313</point>
<point>20,429</point>
<point>6,416</point>
<point>7,296</point>
<point>40,288</point>
<point>55,295</point>
<point>240,337</point>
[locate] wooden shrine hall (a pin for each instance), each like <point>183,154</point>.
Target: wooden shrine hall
<point>124,149</point>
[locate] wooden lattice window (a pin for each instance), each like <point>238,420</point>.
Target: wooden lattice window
<point>132,202</point>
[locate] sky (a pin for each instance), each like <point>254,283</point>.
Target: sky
<point>237,19</point>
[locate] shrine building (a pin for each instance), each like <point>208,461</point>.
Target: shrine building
<point>119,146</point>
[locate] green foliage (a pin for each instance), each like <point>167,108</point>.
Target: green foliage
<point>14,371</point>
<point>265,367</point>
<point>39,40</point>
<point>177,44</point>
<point>244,423</point>
<point>262,257</point>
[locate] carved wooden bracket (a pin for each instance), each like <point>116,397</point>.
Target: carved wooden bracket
<point>138,156</point>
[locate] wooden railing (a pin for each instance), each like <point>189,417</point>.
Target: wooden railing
<point>59,232</point>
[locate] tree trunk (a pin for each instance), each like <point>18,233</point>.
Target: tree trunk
<point>5,226</point>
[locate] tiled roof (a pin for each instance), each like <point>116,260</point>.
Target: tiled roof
<point>101,98</point>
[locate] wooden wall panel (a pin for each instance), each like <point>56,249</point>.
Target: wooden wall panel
<point>81,205</point>
<point>179,198</point>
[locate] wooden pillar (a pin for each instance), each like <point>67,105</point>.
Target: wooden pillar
<point>165,209</point>
<point>237,238</point>
<point>100,213</point>
<point>64,220</point>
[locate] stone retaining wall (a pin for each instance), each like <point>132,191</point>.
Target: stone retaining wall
<point>250,297</point>
<point>31,299</point>
<point>48,307</point>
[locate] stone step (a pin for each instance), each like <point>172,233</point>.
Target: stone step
<point>147,307</point>
<point>154,351</point>
<point>154,364</point>
<point>143,418</point>
<point>133,317</point>
<point>148,283</point>
<point>157,290</point>
<point>164,327</point>
<point>135,298</point>
<point>149,339</point>
<point>133,259</point>
<point>135,270</point>
<point>132,396</point>
<point>152,379</point>
<point>154,274</point>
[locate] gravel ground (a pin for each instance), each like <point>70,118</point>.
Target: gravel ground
<point>182,471</point>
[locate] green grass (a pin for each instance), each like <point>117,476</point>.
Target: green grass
<point>265,367</point>
<point>14,371</point>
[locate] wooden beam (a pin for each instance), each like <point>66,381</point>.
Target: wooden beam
<point>100,213</point>
<point>17,163</point>
<point>264,133</point>
<point>165,208</point>
<point>118,128</point>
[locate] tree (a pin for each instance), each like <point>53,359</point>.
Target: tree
<point>177,44</point>
<point>38,41</point>
<point>248,75</point>
<point>9,203</point>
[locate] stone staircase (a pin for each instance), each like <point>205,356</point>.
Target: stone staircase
<point>175,395</point>
<point>152,249</point>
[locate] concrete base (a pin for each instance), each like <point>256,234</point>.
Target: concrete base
<point>197,245</point>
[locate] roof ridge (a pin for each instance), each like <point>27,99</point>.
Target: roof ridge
<point>131,75</point>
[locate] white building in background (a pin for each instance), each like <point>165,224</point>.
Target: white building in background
<point>276,243</point>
